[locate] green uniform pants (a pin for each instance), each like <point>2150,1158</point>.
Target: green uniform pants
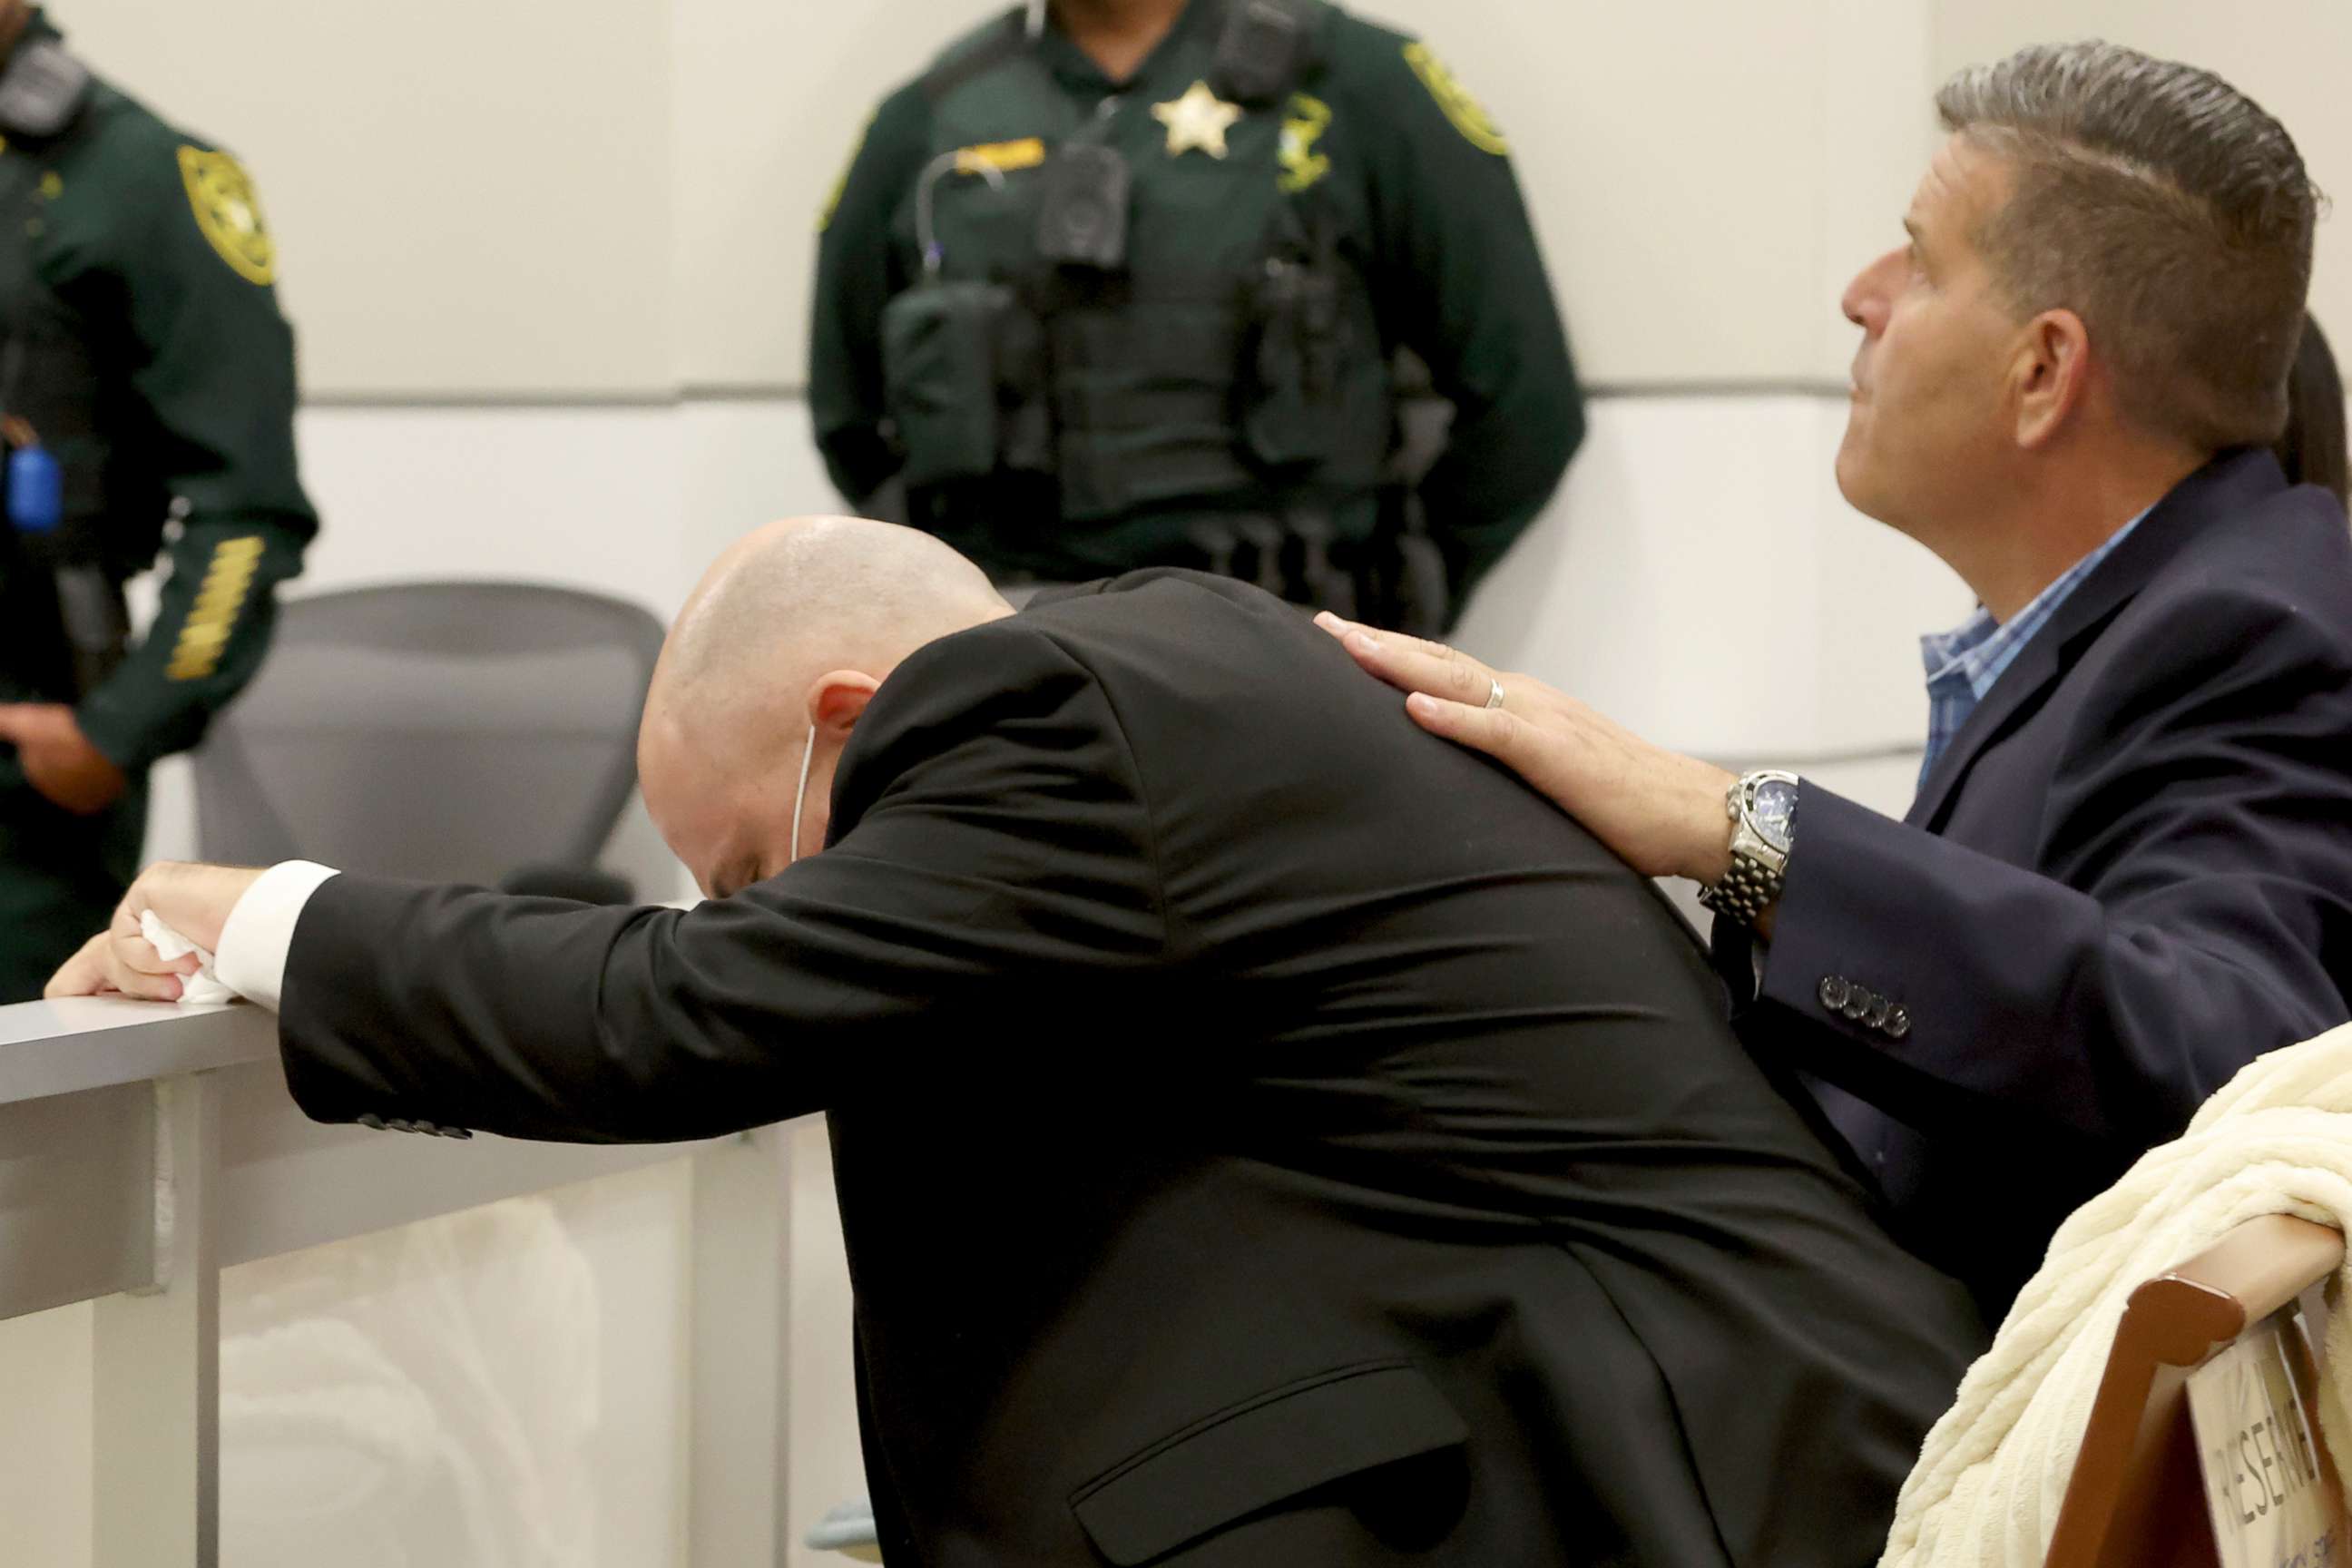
<point>60,877</point>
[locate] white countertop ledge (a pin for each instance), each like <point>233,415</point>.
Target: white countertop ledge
<point>103,1042</point>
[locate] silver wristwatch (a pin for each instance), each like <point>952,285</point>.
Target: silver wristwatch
<point>1762,806</point>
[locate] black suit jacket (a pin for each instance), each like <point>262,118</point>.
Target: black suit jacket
<point>2129,876</point>
<point>1248,1153</point>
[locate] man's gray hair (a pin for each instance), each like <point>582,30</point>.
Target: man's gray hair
<point>2163,206</point>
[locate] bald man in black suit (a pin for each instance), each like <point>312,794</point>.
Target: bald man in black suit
<point>1229,1176</point>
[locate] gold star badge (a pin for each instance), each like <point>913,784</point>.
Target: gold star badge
<point>1199,119</point>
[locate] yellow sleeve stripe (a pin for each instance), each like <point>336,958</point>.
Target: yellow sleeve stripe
<point>229,580</point>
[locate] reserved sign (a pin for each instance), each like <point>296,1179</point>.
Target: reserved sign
<point>2251,1408</point>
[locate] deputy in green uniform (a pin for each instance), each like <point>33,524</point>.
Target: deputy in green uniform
<point>1122,283</point>
<point>147,396</point>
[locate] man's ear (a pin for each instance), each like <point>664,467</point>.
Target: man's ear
<point>837,699</point>
<point>2051,376</point>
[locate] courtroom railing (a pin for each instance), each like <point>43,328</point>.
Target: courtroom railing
<point>144,1147</point>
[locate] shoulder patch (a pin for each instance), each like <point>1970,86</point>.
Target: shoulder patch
<point>1303,122</point>
<point>1467,115</point>
<point>229,213</point>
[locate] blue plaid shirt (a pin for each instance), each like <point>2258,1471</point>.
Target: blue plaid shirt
<point>1963,663</point>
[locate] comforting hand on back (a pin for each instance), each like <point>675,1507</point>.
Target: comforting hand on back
<point>1662,812</point>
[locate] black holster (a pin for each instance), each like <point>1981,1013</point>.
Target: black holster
<point>1402,581</point>
<point>964,378</point>
<point>63,625</point>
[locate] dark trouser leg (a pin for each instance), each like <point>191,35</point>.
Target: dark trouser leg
<point>60,877</point>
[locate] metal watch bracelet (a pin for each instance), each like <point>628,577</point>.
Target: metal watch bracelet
<point>1745,891</point>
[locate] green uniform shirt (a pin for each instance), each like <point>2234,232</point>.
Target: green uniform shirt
<point>152,242</point>
<point>1431,220</point>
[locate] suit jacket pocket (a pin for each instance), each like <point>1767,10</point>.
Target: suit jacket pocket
<point>1256,1453</point>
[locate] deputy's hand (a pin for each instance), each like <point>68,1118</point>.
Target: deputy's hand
<point>1660,811</point>
<point>194,901</point>
<point>58,759</point>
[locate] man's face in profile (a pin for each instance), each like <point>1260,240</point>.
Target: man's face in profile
<point>1929,433</point>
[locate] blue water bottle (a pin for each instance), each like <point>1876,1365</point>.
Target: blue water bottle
<point>37,490</point>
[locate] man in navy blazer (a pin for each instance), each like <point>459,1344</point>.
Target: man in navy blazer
<point>2129,867</point>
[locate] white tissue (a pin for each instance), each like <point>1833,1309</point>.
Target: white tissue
<point>203,986</point>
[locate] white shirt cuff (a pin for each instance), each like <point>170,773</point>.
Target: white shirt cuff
<point>254,941</point>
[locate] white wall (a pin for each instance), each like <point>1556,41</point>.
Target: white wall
<point>468,196</point>
<point>46,1435</point>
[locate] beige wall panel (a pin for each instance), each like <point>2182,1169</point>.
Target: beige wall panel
<point>2291,55</point>
<point>47,1461</point>
<point>772,98</point>
<point>471,196</point>
<point>1682,235</point>
<point>1878,126</point>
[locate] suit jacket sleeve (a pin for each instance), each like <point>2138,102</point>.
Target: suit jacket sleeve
<point>997,875</point>
<point>2193,907</point>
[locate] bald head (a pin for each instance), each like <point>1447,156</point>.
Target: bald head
<point>778,635</point>
<point>792,600</point>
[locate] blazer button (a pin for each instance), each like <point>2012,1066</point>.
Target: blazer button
<point>372,1121</point>
<point>423,1126</point>
<point>1898,1022</point>
<point>1834,990</point>
<point>456,1133</point>
<point>1858,1002</point>
<point>1879,1010</point>
<point>398,1125</point>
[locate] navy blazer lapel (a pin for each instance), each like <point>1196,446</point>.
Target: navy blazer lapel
<point>2234,480</point>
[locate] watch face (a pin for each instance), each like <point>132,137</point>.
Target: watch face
<point>1773,811</point>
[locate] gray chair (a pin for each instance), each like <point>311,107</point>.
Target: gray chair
<point>847,1528</point>
<point>479,732</point>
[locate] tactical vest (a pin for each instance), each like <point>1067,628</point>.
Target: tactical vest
<point>1131,357</point>
<point>53,380</point>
